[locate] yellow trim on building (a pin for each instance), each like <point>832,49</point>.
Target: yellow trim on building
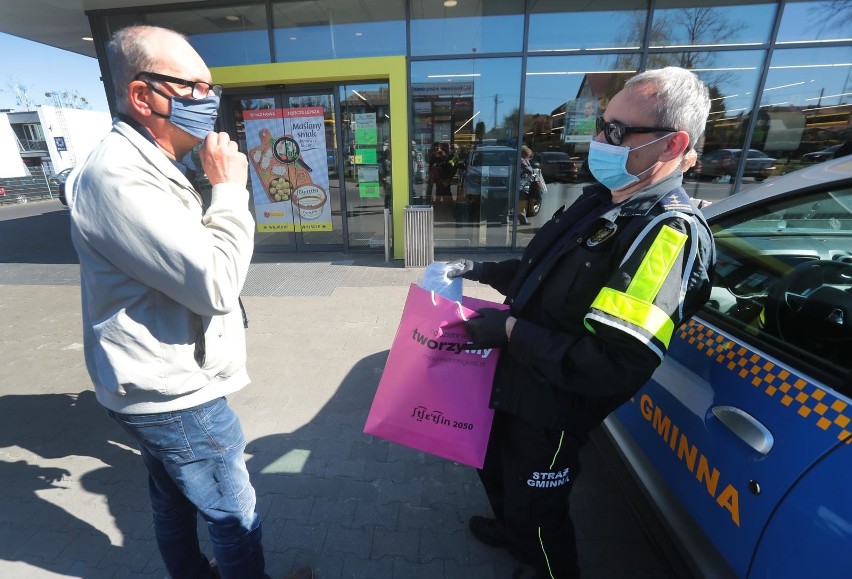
<point>390,68</point>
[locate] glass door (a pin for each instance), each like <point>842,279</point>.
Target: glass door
<point>290,139</point>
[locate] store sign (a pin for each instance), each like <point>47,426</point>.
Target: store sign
<point>60,143</point>
<point>441,89</point>
<point>287,152</point>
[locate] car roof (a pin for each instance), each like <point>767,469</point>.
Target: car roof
<point>835,170</point>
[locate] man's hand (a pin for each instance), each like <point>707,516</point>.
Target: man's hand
<point>463,268</point>
<point>488,330</point>
<point>222,162</point>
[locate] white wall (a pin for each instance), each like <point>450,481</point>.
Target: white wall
<point>11,164</point>
<point>85,129</point>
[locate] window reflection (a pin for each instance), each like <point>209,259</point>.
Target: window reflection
<point>804,21</point>
<point>319,29</point>
<point>222,36</point>
<point>805,107</point>
<point>681,23</point>
<point>556,25</point>
<point>465,128</point>
<point>365,118</point>
<point>467,27</point>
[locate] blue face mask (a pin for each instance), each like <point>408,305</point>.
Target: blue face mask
<point>194,116</point>
<point>608,164</point>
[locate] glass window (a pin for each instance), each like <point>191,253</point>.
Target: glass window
<point>731,77</point>
<point>805,107</point>
<point>364,111</point>
<point>466,27</point>
<point>222,36</point>
<point>805,20</point>
<point>783,276</point>
<point>320,29</point>
<point>556,25</point>
<point>680,23</point>
<point>563,96</point>
<point>462,110</point>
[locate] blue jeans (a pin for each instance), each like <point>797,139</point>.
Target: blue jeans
<point>195,465</point>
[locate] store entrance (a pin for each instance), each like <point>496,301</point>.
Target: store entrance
<point>316,154</point>
<point>291,139</point>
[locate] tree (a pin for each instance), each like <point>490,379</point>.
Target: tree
<point>68,99</point>
<point>20,93</point>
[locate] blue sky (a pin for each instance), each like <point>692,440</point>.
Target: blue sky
<point>42,68</point>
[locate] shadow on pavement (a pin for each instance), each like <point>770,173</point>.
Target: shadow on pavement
<point>44,238</point>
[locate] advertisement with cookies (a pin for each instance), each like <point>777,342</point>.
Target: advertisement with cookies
<point>289,169</point>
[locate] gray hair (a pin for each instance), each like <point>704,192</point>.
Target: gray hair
<point>129,53</point>
<point>683,101</point>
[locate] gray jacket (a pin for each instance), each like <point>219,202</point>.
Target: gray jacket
<point>160,278</point>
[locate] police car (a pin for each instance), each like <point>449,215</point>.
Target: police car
<point>742,440</point>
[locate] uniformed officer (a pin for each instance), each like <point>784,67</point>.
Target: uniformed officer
<point>594,301</point>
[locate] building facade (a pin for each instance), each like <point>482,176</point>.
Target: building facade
<point>337,101</point>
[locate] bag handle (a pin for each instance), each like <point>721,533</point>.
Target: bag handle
<point>458,304</point>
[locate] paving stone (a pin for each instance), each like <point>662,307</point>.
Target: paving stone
<point>296,536</point>
<point>349,540</point>
<point>358,568</point>
<point>380,516</point>
<point>396,543</point>
<point>439,545</point>
<point>404,569</point>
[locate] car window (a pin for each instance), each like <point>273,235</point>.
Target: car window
<point>784,277</point>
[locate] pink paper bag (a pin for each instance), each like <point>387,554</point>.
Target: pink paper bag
<point>433,394</point>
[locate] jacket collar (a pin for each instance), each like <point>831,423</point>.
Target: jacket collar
<point>144,142</point>
<point>641,202</point>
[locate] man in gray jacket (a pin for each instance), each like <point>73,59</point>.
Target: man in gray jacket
<point>160,283</point>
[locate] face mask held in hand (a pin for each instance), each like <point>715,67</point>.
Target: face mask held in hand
<point>608,164</point>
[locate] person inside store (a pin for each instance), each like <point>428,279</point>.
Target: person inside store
<point>527,181</point>
<point>594,302</point>
<point>161,274</point>
<point>436,159</point>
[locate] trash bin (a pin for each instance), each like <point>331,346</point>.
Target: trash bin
<point>419,235</point>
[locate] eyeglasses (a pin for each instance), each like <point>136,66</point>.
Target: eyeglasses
<point>200,89</point>
<point>615,132</point>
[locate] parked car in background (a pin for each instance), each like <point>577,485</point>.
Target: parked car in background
<point>822,155</point>
<point>487,182</point>
<point>557,166</point>
<point>742,439</point>
<point>725,162</point>
<point>61,178</point>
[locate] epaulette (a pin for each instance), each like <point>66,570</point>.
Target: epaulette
<point>677,200</point>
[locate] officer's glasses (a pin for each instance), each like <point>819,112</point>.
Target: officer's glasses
<point>615,131</point>
<point>200,89</point>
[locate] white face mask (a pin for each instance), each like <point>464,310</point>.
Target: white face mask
<point>608,164</point>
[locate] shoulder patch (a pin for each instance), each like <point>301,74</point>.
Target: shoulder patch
<point>677,200</point>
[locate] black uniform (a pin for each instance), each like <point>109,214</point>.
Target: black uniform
<point>597,296</point>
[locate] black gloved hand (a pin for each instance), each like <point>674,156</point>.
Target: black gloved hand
<point>488,330</point>
<point>463,268</point>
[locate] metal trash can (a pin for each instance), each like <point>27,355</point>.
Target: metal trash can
<point>419,235</point>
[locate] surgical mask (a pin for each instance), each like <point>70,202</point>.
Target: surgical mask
<point>194,116</point>
<point>608,164</point>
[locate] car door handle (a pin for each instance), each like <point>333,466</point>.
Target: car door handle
<point>745,426</point>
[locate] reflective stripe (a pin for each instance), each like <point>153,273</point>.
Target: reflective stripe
<point>544,552</point>
<point>558,448</point>
<point>637,312</point>
<point>635,305</point>
<point>657,264</point>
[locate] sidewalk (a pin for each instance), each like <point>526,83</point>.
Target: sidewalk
<point>75,504</point>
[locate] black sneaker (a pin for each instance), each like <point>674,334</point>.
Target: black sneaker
<point>493,533</point>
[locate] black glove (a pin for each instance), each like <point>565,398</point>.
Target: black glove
<point>464,268</point>
<point>488,330</point>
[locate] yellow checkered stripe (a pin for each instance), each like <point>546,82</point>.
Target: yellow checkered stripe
<point>809,401</point>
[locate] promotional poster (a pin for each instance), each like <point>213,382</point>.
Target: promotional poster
<point>289,169</point>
